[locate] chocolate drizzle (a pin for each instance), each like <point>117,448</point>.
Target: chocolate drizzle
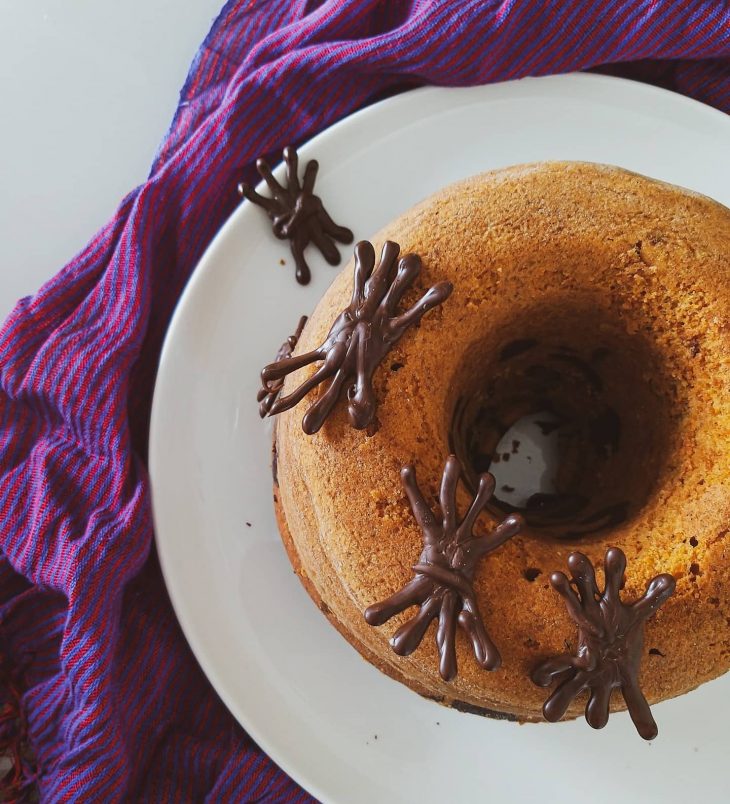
<point>268,392</point>
<point>361,336</point>
<point>297,214</point>
<point>610,642</point>
<point>442,585</point>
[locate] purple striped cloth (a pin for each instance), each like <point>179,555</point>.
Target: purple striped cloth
<point>101,699</point>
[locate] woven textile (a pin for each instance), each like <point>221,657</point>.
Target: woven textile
<point>114,703</point>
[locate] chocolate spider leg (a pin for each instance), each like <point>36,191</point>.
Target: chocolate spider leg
<point>380,280</point>
<point>430,299</point>
<point>597,707</point>
<point>315,417</point>
<point>280,193</point>
<point>291,159</point>
<point>447,493</point>
<point>421,509</point>
<point>340,233</point>
<point>557,704</point>
<point>507,528</point>
<point>298,331</point>
<point>324,243</point>
<point>485,651</point>
<point>412,594</point>
<point>485,489</point>
<point>548,670</point>
<point>327,369</point>
<point>409,267</point>
<point>265,400</point>
<point>364,264</point>
<point>560,583</point>
<point>657,592</point>
<point>245,190</point>
<point>280,368</point>
<point>310,176</point>
<point>584,577</point>
<point>614,566</point>
<point>639,709</point>
<point>303,274</point>
<point>408,637</point>
<point>446,635</point>
<point>361,401</point>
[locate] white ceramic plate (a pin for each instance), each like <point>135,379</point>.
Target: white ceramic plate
<point>340,728</point>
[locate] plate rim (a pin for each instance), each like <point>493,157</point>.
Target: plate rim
<point>155,452</point>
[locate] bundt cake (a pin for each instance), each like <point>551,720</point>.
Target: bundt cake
<point>588,299</point>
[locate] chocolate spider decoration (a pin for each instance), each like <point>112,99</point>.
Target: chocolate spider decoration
<point>442,585</point>
<point>297,214</point>
<point>610,643</point>
<point>359,339</point>
<point>266,395</point>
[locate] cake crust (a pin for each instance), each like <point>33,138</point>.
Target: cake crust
<point>645,260</point>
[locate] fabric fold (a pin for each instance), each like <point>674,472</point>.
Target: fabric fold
<point>115,705</point>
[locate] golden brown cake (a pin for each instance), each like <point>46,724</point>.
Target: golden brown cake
<point>586,290</point>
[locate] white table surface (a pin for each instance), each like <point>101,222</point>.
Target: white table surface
<point>88,90</point>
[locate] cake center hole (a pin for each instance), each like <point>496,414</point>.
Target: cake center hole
<point>526,461</point>
<point>574,430</point>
